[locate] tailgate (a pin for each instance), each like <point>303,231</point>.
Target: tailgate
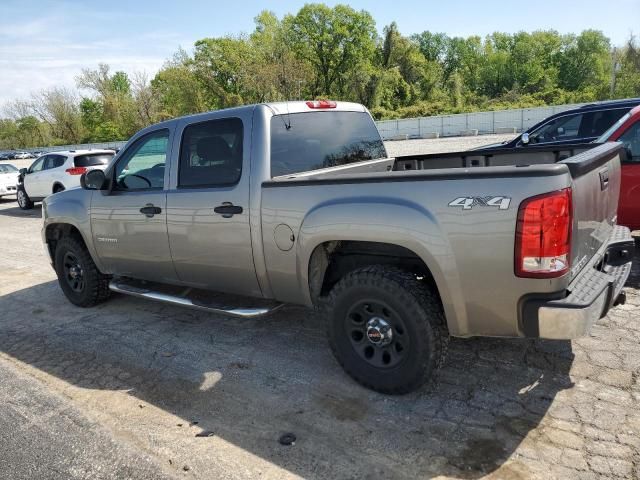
<point>596,187</point>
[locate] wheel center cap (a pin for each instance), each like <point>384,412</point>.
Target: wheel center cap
<point>379,332</point>
<point>75,272</point>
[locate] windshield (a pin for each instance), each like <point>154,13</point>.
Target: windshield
<point>5,168</point>
<point>605,136</point>
<point>308,141</point>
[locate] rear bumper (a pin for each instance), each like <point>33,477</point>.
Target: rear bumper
<point>571,313</point>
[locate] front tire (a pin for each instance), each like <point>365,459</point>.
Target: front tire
<point>24,202</point>
<point>79,278</point>
<point>386,329</point>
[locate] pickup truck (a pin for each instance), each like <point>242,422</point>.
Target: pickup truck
<point>242,210</point>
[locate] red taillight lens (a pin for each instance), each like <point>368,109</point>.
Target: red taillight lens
<point>76,170</point>
<point>543,235</point>
<point>322,104</point>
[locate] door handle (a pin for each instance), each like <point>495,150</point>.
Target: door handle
<point>150,210</point>
<point>228,209</point>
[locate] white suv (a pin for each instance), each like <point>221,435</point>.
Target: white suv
<point>58,171</point>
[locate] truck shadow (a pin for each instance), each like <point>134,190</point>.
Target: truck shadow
<point>250,381</point>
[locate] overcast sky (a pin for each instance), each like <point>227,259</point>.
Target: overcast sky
<point>46,43</point>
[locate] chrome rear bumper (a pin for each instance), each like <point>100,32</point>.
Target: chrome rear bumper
<point>590,295</point>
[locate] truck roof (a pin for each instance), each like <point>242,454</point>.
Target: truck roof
<point>282,108</point>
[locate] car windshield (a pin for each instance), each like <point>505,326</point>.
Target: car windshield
<point>605,136</point>
<point>8,169</point>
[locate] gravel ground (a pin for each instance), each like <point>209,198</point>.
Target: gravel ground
<point>142,379</point>
<point>448,144</point>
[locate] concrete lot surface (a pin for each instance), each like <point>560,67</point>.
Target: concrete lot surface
<point>122,390</point>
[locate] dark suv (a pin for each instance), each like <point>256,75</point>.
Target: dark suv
<point>579,125</point>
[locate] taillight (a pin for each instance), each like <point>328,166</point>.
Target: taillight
<point>322,104</point>
<point>76,170</point>
<point>543,235</point>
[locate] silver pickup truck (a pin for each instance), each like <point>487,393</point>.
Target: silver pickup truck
<point>242,210</point>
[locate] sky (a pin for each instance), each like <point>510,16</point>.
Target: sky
<point>47,43</point>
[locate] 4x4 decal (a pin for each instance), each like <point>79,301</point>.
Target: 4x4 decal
<point>467,203</point>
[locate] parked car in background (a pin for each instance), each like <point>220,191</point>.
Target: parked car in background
<point>579,125</point>
<point>299,203</point>
<point>8,179</point>
<point>4,156</point>
<point>627,131</point>
<point>22,155</point>
<point>55,172</point>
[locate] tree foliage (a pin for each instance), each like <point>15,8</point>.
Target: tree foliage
<point>332,52</point>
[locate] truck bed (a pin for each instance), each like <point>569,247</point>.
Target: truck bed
<point>412,200</point>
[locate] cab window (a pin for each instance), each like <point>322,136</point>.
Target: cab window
<point>561,128</point>
<point>631,141</point>
<point>142,166</point>
<point>211,154</point>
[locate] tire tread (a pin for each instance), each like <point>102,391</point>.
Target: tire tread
<point>412,292</point>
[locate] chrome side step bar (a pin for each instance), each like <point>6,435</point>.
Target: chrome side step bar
<point>184,298</point>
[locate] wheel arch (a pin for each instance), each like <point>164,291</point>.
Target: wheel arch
<point>54,230</point>
<point>378,231</point>
<point>57,184</point>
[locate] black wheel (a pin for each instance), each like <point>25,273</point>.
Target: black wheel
<point>81,281</point>
<point>24,202</point>
<point>386,329</point>
<point>58,188</point>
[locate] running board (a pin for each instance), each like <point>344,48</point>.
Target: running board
<point>212,302</point>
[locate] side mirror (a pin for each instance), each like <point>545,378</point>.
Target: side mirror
<point>23,171</point>
<point>525,138</point>
<point>93,180</point>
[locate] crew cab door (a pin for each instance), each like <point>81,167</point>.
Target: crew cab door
<point>208,206</point>
<point>129,223</point>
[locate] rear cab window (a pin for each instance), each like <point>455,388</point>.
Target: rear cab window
<point>303,142</point>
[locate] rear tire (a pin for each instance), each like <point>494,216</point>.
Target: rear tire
<point>79,278</point>
<point>24,202</point>
<point>386,329</point>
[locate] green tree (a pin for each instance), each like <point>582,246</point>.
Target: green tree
<point>585,63</point>
<point>335,41</point>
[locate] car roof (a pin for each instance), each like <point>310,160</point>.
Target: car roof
<point>591,107</point>
<point>77,153</point>
<point>626,102</point>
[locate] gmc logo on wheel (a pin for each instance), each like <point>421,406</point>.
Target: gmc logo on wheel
<point>467,203</point>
